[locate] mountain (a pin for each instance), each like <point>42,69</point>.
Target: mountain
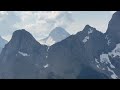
<point>22,56</point>
<point>2,43</point>
<point>112,36</point>
<point>56,35</point>
<point>89,54</point>
<point>113,31</point>
<point>74,57</point>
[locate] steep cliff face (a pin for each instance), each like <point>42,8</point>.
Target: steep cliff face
<point>113,31</point>
<point>22,56</point>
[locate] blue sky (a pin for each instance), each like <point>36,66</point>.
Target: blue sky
<point>40,23</point>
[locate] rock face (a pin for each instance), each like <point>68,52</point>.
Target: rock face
<point>22,56</point>
<point>113,31</point>
<point>113,38</point>
<point>89,54</point>
<point>2,43</point>
<point>70,57</point>
<point>58,34</point>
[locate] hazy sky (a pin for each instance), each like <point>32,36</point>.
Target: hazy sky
<point>40,23</point>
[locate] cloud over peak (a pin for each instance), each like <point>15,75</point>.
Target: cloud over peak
<point>39,23</point>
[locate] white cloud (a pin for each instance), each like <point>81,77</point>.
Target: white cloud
<point>7,19</point>
<point>38,22</point>
<point>3,14</point>
<point>7,37</point>
<point>112,12</point>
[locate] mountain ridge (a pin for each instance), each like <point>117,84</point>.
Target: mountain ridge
<point>89,54</point>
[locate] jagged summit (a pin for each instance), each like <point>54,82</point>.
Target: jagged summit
<point>58,31</point>
<point>56,35</point>
<point>88,30</point>
<point>88,27</point>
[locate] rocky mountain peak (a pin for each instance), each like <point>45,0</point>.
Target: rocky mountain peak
<point>56,35</point>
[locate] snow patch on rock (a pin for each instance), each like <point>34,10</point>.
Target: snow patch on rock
<point>89,32</point>
<point>23,54</point>
<point>86,39</point>
<point>115,52</point>
<point>50,41</point>
<point>45,66</point>
<point>98,66</point>
<point>96,60</point>
<point>108,40</point>
<point>104,58</point>
<point>114,76</point>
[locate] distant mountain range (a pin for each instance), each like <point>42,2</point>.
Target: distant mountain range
<point>89,54</point>
<point>58,34</point>
<point>2,43</point>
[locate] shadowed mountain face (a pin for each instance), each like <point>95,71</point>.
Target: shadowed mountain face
<point>22,56</point>
<point>112,36</point>
<point>67,58</point>
<point>114,24</point>
<point>113,31</point>
<point>89,54</point>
